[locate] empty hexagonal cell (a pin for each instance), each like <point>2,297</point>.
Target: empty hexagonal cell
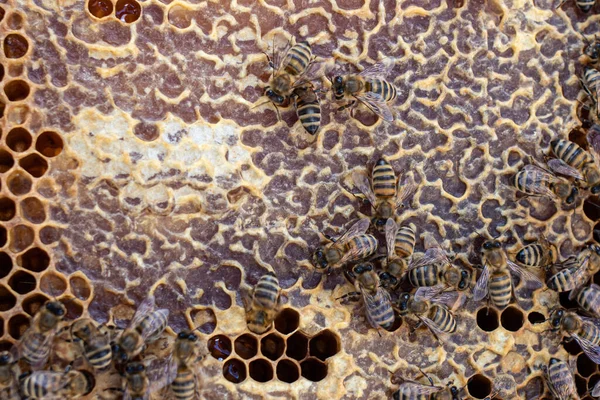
<point>5,345</point>
<point>6,160</point>
<point>32,303</point>
<point>3,236</point>
<point>261,370</point>
<point>128,11</point>
<point>18,139</point>
<point>512,319</point>
<point>535,317</point>
<point>22,282</point>
<point>487,319</point>
<point>49,234</point>
<point>17,114</point>
<point>205,320</point>
<point>593,380</point>
<point>21,237</point>
<point>566,302</point>
<point>234,370</point>
<point>15,46</point>
<point>591,208</point>
<point>15,21</point>
<point>32,210</point>
<point>7,209</point>
<point>16,90</point>
<point>74,308</point>
<point>7,299</point>
<point>49,144</point>
<point>6,264</point>
<point>297,346</point>
<point>35,260</point>
<point>219,347</point>
<point>17,325</point>
<point>479,386</point>
<point>581,385</point>
<point>180,16</point>
<point>585,366</point>
<point>100,8</point>
<point>324,345</point>
<point>53,284</point>
<point>596,232</point>
<point>19,183</point>
<point>313,369</point>
<point>287,371</point>
<point>571,346</point>
<point>246,346</point>
<point>287,321</point>
<point>2,13</point>
<point>34,164</point>
<point>272,346</point>
<point>80,288</point>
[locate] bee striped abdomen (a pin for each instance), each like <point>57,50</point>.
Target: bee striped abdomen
<point>527,181</point>
<point>559,374</point>
<point>36,385</point>
<point>35,348</point>
<point>298,58</point>
<point>384,179</point>
<point>405,241</point>
<point>585,5</point>
<point>308,110</point>
<point>532,255</point>
<point>407,393</point>
<point>266,292</point>
<point>99,358</point>
<point>500,289</point>
<point>590,332</point>
<point>366,245</point>
<point>386,90</point>
<point>589,299</point>
<point>563,280</point>
<point>380,310</point>
<point>184,385</point>
<point>154,324</point>
<point>442,318</point>
<point>426,275</point>
<point>570,153</point>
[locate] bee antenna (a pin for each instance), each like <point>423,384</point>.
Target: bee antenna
<point>260,104</point>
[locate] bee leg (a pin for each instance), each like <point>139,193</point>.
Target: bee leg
<point>351,296</point>
<point>345,106</point>
<point>427,376</point>
<point>560,4</point>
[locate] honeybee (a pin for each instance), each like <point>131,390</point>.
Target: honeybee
<point>93,342</point>
<point>35,344</point>
<point>262,309</point>
<point>142,379</point>
<point>436,316</point>
<point>584,330</point>
<point>536,181</point>
<point>592,49</point>
<point>369,88</point>
<point>576,271</point>
<point>185,383</point>
<point>400,246</point>
<point>383,191</point>
<point>560,380</point>
<point>411,390</point>
<point>353,245</point>
<point>496,277</point>
<point>70,384</point>
<point>584,5</point>
<point>307,107</point>
<point>537,254</point>
<point>574,161</point>
<point>146,326</point>
<point>9,371</point>
<point>588,299</point>
<point>591,85</point>
<point>378,304</point>
<point>137,381</point>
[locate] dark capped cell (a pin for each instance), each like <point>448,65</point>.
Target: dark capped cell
<point>53,284</point>
<point>297,346</point>
<point>487,319</point>
<point>15,46</point>
<point>479,386</point>
<point>16,90</point>
<point>6,160</point>
<point>272,346</point>
<point>80,287</point>
<point>146,131</point>
<point>7,299</point>
<point>287,321</point>
<point>32,210</point>
<point>21,237</point>
<point>22,282</point>
<point>6,264</point>
<point>261,370</point>
<point>34,260</point>
<point>512,319</point>
<point>17,325</point>
<point>49,144</point>
<point>49,234</point>
<point>287,371</point>
<point>18,139</point>
<point>32,303</point>
<point>34,164</point>
<point>128,11</point>
<point>234,370</point>
<point>313,369</point>
<point>246,346</point>
<point>100,8</point>
<point>7,209</point>
<point>219,347</point>
<point>15,21</point>
<point>324,345</point>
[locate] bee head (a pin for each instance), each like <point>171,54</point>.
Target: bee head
<point>592,50</point>
<point>273,96</point>
<point>491,244</point>
<point>594,248</point>
<point>389,279</point>
<point>56,308</point>
<point>362,268</point>
<point>134,368</point>
<point>338,86</point>
<point>558,316</point>
<point>403,303</point>
<point>572,196</point>
<point>187,335</point>
<point>319,259</point>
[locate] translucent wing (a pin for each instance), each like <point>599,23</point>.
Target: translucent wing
<point>161,372</point>
<point>379,70</point>
<point>528,279</point>
<point>42,343</point>
<point>363,183</point>
<point>429,292</point>
<point>593,138</point>
<point>377,104</point>
<point>596,390</point>
<point>589,320</point>
<point>145,308</point>
<point>590,349</point>
<point>391,229</point>
<point>359,228</point>
<point>355,253</point>
<point>404,191</point>
<point>314,70</point>
<point>418,388</point>
<point>432,326</point>
<point>536,168</point>
<point>566,389</point>
<point>542,177</point>
<point>481,287</point>
<point>433,255</point>
<point>560,167</point>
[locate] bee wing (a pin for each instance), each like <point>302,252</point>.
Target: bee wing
<point>528,279</point>
<point>354,253</point>
<point>378,70</point>
<point>481,287</point>
<point>432,255</point>
<point>391,229</point>
<point>161,372</point>
<point>315,70</point>
<point>590,320</point>
<point>542,176</point>
<point>432,326</point>
<point>596,390</point>
<point>429,292</point>
<point>377,104</point>
<point>363,183</point>
<point>359,228</point>
<point>405,189</point>
<point>560,167</point>
<point>145,308</point>
<point>593,138</point>
<point>590,349</point>
<point>420,389</point>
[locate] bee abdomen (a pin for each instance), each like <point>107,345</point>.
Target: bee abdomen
<point>100,358</point>
<point>35,348</point>
<point>443,318</point>
<point>590,332</point>
<point>563,280</point>
<point>309,113</point>
<point>405,241</point>
<point>154,324</point>
<point>366,244</point>
<point>589,299</point>
<point>531,255</point>
<point>383,88</point>
<point>381,311</point>
<point>298,58</point>
<point>406,393</point>
<point>500,288</point>
<point>525,181</point>
<point>585,5</point>
<point>560,375</point>
<point>570,153</point>
<point>384,179</point>
<point>426,275</point>
<point>184,385</point>
<point>266,291</point>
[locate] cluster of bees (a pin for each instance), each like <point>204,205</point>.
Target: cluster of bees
<point>97,349</point>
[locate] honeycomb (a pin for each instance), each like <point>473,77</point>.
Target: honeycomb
<point>135,158</point>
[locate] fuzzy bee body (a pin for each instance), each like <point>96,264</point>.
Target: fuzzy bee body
<point>588,299</point>
<point>577,271</point>
<point>538,254</point>
<point>308,108</point>
<point>442,318</point>
<point>575,162</point>
<point>95,345</point>
<point>9,371</point>
<point>295,63</point>
<point>34,346</point>
<point>264,304</point>
<point>404,243</point>
<point>536,181</point>
<point>427,275</point>
<point>500,288</point>
<point>71,384</point>
<point>561,381</point>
